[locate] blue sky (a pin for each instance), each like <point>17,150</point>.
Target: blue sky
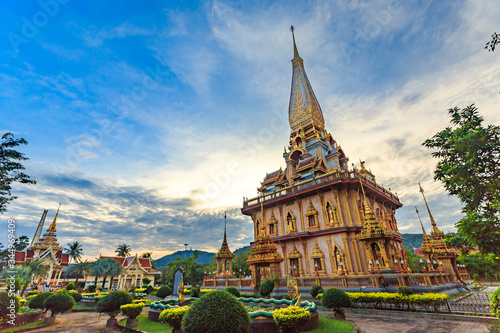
<point>148,120</point>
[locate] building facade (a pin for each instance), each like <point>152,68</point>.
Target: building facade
<point>322,217</point>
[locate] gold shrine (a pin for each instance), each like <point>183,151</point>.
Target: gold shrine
<point>224,257</point>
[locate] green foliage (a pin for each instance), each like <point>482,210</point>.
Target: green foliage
<point>336,299</point>
<point>37,301</point>
<point>11,168</point>
<point>112,302</point>
<point>74,250</point>
<point>59,302</point>
<point>195,292</point>
<point>315,290</point>
<point>123,250</point>
<point>495,40</point>
<point>217,312</point>
<point>146,280</point>
<point>412,241</point>
<point>106,267</point>
<point>174,316</point>
<point>240,263</point>
<point>495,303</point>
<point>413,260</point>
<point>266,287</point>
<point>405,291</point>
<point>164,292</point>
<point>70,286</point>
<point>381,300</point>
<point>290,317</point>
<point>233,291</point>
<point>5,306</point>
<point>132,310</point>
<point>459,242</point>
<point>76,296</point>
<point>468,166</point>
<point>480,264</point>
<point>33,292</point>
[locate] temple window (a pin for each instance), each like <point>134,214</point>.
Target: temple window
<point>331,214</point>
<point>290,224</point>
<point>272,229</point>
<point>317,265</point>
<point>311,216</point>
<point>312,221</point>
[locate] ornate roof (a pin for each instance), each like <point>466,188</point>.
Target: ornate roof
<point>224,251</point>
<point>49,238</point>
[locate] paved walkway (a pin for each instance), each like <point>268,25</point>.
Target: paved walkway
<point>79,322</point>
<point>379,321</point>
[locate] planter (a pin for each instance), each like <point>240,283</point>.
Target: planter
<point>154,314</point>
<point>132,322</point>
<point>111,322</point>
<point>28,317</point>
<point>50,320</point>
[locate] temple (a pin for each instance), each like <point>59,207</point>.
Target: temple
<point>224,257</point>
<point>47,250</point>
<point>321,217</point>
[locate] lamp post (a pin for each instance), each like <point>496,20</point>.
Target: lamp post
<point>294,272</point>
<point>378,266</point>
<point>396,262</point>
<point>370,266</point>
<point>429,267</point>
<point>341,268</point>
<point>316,268</point>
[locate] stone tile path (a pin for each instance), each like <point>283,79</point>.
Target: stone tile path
<point>79,322</point>
<point>373,321</point>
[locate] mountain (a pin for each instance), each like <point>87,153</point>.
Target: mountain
<point>412,241</point>
<point>204,258</point>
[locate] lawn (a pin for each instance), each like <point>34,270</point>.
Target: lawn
<point>326,325</point>
<point>35,324</point>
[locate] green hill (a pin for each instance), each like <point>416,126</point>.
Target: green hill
<point>412,240</point>
<point>204,258</point>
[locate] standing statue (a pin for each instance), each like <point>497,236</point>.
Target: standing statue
<point>180,291</point>
<point>293,290</point>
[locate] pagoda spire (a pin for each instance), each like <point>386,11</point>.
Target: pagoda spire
<point>434,226</point>
<point>224,241</point>
<point>304,111</point>
<point>53,224</point>
<point>426,237</point>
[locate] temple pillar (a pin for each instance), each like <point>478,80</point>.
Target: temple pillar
<point>330,255</point>
<point>357,255</point>
<point>218,265</point>
<point>301,217</point>
<point>306,258</point>
<point>347,252</point>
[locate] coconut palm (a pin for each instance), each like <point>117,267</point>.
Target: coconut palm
<point>104,268</point>
<point>37,270</point>
<point>74,250</point>
<point>123,250</point>
<point>82,267</point>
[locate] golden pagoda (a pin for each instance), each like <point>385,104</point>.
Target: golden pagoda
<point>224,257</point>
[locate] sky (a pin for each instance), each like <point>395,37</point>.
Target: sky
<point>148,120</point>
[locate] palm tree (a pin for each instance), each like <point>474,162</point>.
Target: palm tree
<point>123,250</point>
<point>104,268</point>
<point>37,270</point>
<point>75,251</point>
<point>83,267</point>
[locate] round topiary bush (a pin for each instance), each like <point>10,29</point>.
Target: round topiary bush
<point>195,292</point>
<point>76,296</point>
<point>37,301</point>
<point>9,306</point>
<point>266,288</point>
<point>59,302</point>
<point>290,318</point>
<point>315,290</point>
<point>216,312</point>
<point>164,292</point>
<point>173,316</point>
<point>233,291</point>
<point>112,302</point>
<point>405,291</point>
<point>495,303</point>
<point>132,310</point>
<point>70,286</point>
<point>335,299</point>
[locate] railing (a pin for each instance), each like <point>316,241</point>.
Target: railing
<point>325,179</point>
<point>346,281</point>
<point>476,303</point>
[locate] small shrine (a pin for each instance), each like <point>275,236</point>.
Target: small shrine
<point>224,257</point>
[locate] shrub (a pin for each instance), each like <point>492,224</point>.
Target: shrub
<point>76,296</point>
<point>336,299</point>
<point>315,290</point>
<point>487,277</point>
<point>195,292</point>
<point>91,289</point>
<point>405,291</point>
<point>290,317</point>
<point>132,310</point>
<point>217,312</point>
<point>70,286</point>
<point>233,291</point>
<point>173,316</point>
<point>495,302</point>
<point>476,277</point>
<point>6,308</point>
<point>37,301</point>
<point>146,281</point>
<point>112,302</point>
<point>266,288</point>
<point>164,292</point>
<point>33,292</point>
<point>59,302</point>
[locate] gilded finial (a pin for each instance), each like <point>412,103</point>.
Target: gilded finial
<point>426,238</point>
<point>295,51</point>
<point>53,224</point>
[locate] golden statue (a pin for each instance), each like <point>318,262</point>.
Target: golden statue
<point>180,290</point>
<point>293,290</point>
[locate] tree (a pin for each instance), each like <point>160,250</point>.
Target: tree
<point>413,261</point>
<point>240,263</point>
<point>146,255</point>
<point>459,242</point>
<point>82,267</point>
<point>495,40</point>
<point>480,264</point>
<point>11,168</point>
<point>123,250</point>
<point>104,268</point>
<point>21,243</point>
<point>469,167</point>
<point>74,250</point>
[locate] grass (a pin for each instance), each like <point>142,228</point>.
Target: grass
<point>329,325</point>
<point>326,325</point>
<point>149,325</point>
<point>81,307</point>
<point>35,324</point>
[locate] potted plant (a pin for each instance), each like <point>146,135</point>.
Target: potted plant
<point>111,304</point>
<point>59,302</point>
<point>173,317</point>
<point>290,319</point>
<point>132,311</point>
